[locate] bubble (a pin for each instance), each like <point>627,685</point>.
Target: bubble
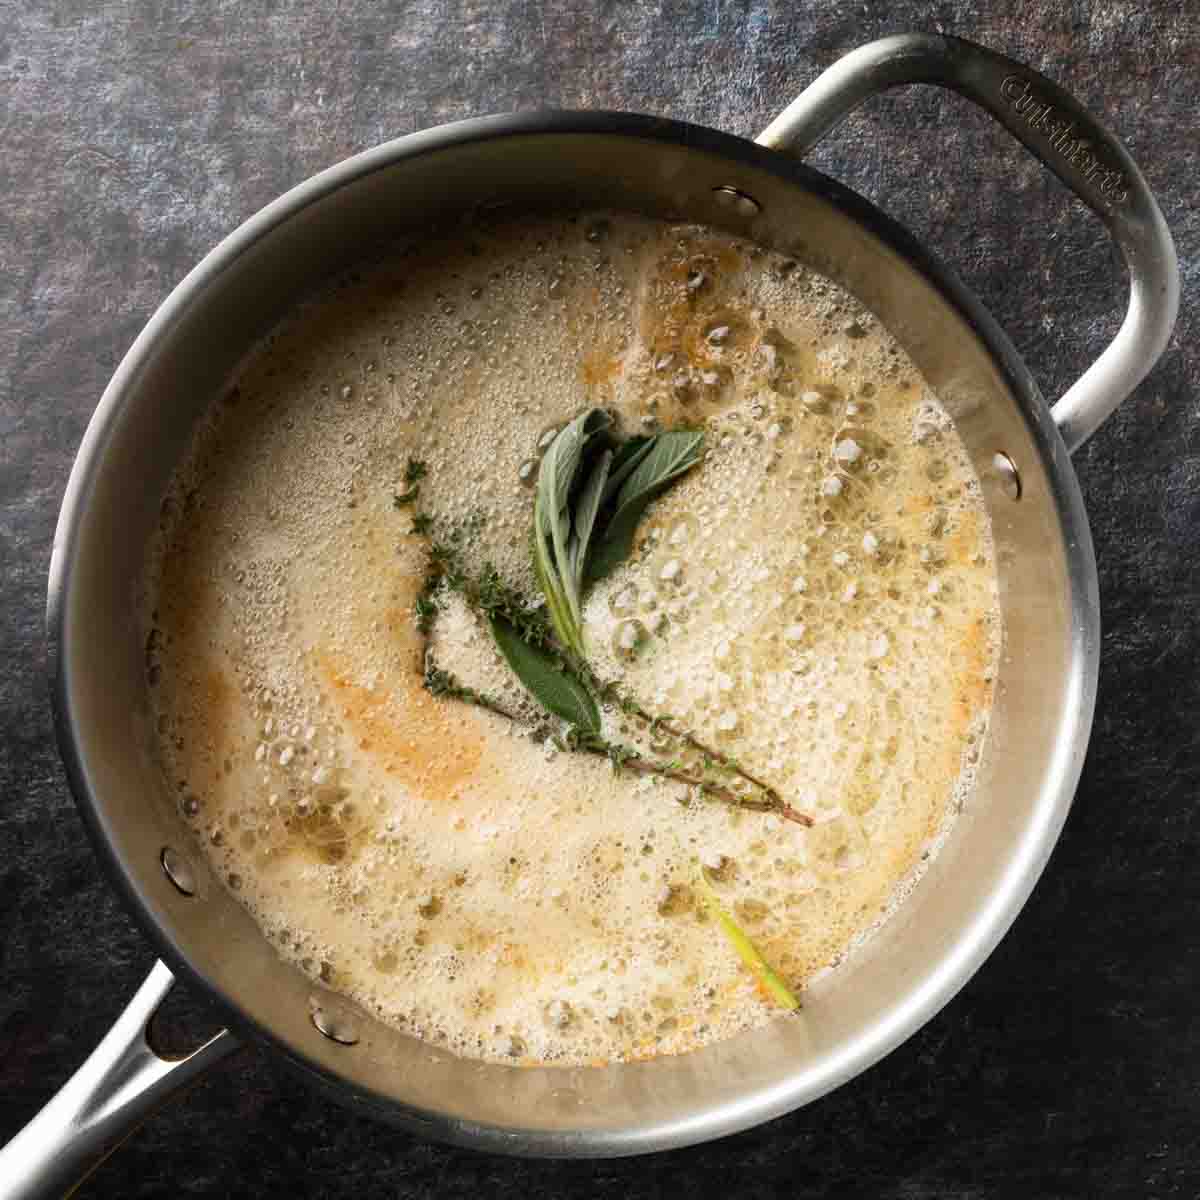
<point>560,1015</point>
<point>629,639</point>
<point>713,387</point>
<point>722,333</point>
<point>624,601</point>
<point>837,847</point>
<point>670,573</point>
<point>847,452</point>
<point>682,530</point>
<point>751,911</point>
<point>676,900</point>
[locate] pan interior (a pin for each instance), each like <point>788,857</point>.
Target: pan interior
<point>1044,693</point>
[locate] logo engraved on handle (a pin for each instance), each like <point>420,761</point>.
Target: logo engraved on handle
<point>1061,135</point>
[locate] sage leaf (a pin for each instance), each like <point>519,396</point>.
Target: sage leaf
<point>550,583</point>
<point>627,456</point>
<point>561,460</point>
<point>552,517</point>
<point>747,951</point>
<point>616,543</point>
<point>669,455</point>
<point>586,509</point>
<point>663,459</point>
<point>553,687</point>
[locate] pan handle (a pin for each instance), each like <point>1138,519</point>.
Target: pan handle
<point>114,1091</point>
<point>1076,147</point>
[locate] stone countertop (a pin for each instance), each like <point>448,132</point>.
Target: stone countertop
<point>136,135</point>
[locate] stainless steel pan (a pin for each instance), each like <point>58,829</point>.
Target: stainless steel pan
<point>1021,447</point>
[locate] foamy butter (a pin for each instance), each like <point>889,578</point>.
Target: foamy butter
<point>817,598</point>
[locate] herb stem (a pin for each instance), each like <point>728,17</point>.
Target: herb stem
<point>769,981</point>
<point>443,683</point>
<point>439,682</point>
<point>647,766</point>
<point>629,704</point>
<point>771,801</point>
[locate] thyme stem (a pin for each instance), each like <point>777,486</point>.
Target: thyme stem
<point>609,690</point>
<point>489,596</point>
<point>443,683</point>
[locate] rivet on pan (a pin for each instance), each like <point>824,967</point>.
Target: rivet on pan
<point>178,870</point>
<point>1007,475</point>
<point>743,205</point>
<point>335,1028</point>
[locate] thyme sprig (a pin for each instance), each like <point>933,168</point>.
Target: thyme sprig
<point>414,472</point>
<point>545,647</point>
<point>612,693</point>
<point>563,685</point>
<point>440,682</point>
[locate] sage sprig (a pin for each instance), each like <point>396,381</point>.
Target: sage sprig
<point>590,495</point>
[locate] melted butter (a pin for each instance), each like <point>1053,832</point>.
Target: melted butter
<point>817,599</point>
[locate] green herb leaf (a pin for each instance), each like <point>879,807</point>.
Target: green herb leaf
<point>495,598</point>
<point>586,508</point>
<point>583,530</point>
<point>628,455</point>
<point>669,455</point>
<point>665,458</point>
<point>568,630</point>
<point>747,951</point>
<point>553,687</point>
<point>552,512</point>
<point>556,476</point>
<point>616,544</point>
<point>426,609</point>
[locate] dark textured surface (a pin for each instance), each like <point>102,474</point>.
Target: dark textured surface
<point>135,136</point>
